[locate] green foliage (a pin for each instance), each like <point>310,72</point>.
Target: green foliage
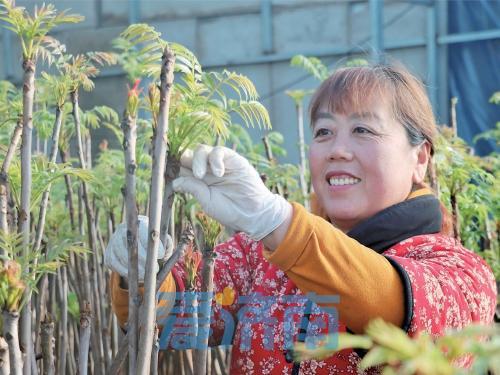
<point>33,29</point>
<point>11,286</point>
<point>201,104</point>
<point>192,260</point>
<point>83,67</point>
<point>11,107</point>
<point>211,229</point>
<point>67,129</point>
<point>298,95</point>
<point>356,62</point>
<point>140,50</point>
<point>390,347</point>
<point>200,108</point>
<point>44,122</point>
<point>490,134</point>
<point>43,174</point>
<point>95,117</point>
<point>109,178</point>
<point>109,170</point>
<point>475,183</point>
<point>73,306</point>
<point>35,265</point>
<point>136,59</point>
<point>279,177</point>
<point>11,103</point>
<point>495,98</point>
<point>311,65</point>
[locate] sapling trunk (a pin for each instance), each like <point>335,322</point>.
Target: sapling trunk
<point>47,334</point>
<point>97,351</point>
<point>211,231</point>
<point>45,198</point>
<point>74,342</point>
<point>88,149</point>
<point>4,182</point>
<point>64,154</point>
<point>129,126</point>
<point>187,360</point>
<point>41,306</point>
<point>98,306</point>
<point>24,212</point>
<point>102,296</point>
<point>114,333</point>
<point>171,173</point>
<point>185,241</point>
<point>204,311</point>
<point>155,352</point>
<point>81,229</point>
<point>160,148</point>
<point>73,274</point>
<point>85,326</point>
<point>455,214</point>
<point>453,193</point>
<point>433,177</point>
<point>220,356</point>
<point>453,116</point>
<point>302,153</point>
<point>4,357</point>
<point>269,155</point>
<point>10,332</point>
<point>112,221</point>
<point>63,323</point>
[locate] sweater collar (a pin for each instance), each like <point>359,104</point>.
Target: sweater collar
<point>419,214</point>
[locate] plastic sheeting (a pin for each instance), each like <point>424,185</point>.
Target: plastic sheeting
<point>474,69</point>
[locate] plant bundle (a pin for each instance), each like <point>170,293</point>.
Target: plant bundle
<point>11,286</point>
<point>390,347</point>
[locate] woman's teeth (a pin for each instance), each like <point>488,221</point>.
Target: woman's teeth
<point>339,181</point>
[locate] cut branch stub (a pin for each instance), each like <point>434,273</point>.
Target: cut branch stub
<point>4,357</point>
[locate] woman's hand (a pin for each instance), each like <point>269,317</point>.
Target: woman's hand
<point>231,191</point>
<point>116,253</point>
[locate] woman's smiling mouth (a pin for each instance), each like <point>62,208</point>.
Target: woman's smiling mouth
<point>343,180</point>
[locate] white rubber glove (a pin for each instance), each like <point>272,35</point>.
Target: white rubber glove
<point>116,253</point>
<point>231,191</point>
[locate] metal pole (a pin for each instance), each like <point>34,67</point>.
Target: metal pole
<point>443,114</point>
<point>266,25</point>
<point>472,36</point>
<point>377,30</point>
<point>432,57</point>
<point>134,11</point>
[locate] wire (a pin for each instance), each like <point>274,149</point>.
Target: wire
<point>286,86</point>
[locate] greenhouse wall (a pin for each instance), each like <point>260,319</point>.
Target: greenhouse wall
<point>258,38</point>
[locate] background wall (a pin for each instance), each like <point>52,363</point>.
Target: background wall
<point>258,37</point>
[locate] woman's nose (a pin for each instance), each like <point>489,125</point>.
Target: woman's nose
<point>340,150</point>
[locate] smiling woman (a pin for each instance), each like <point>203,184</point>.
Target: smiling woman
<point>375,243</point>
<point>370,147</point>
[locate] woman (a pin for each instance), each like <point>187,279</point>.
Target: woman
<point>378,241</point>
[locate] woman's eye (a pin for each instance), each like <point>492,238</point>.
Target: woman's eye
<point>321,132</point>
<point>362,130</point>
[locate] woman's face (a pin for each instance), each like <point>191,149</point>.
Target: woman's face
<point>362,163</point>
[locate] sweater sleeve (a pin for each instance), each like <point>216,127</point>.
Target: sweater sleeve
<point>119,296</point>
<point>320,258</point>
<point>451,286</point>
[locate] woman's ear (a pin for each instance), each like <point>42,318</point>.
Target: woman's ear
<point>423,156</point>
